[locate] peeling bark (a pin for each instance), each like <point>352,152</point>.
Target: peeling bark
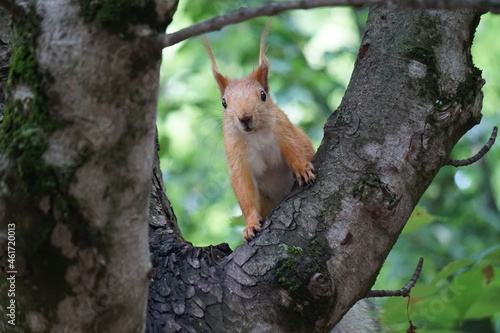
<point>414,92</point>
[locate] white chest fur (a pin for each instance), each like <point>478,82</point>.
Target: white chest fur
<point>271,174</point>
<point>263,152</point>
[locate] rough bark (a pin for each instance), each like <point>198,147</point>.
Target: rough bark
<point>414,92</point>
<point>5,34</point>
<point>76,153</point>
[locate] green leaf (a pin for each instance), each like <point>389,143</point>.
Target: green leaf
<point>451,269</point>
<point>491,254</point>
<point>486,306</point>
<point>419,217</point>
<point>436,311</point>
<point>466,289</point>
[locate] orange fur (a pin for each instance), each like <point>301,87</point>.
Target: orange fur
<point>265,151</point>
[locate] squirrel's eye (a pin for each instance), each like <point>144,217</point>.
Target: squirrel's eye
<point>262,96</point>
<point>224,104</point>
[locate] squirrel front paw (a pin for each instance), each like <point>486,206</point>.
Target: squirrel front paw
<point>306,176</point>
<point>253,225</point>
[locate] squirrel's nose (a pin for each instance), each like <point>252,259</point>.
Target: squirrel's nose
<point>245,120</point>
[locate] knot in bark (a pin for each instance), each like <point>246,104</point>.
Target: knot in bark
<point>320,285</point>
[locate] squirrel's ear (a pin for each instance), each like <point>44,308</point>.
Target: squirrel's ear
<point>261,74</point>
<point>222,81</point>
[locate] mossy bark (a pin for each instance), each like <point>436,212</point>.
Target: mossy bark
<point>5,39</point>
<point>75,168</point>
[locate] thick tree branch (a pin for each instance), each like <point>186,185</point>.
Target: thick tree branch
<point>274,8</point>
<point>404,110</point>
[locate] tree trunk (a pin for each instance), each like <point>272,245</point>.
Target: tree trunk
<point>77,147</point>
<point>77,150</point>
<point>414,92</point>
<point>5,35</point>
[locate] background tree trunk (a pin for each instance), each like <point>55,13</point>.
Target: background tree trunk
<point>77,148</point>
<point>5,35</point>
<point>77,153</point>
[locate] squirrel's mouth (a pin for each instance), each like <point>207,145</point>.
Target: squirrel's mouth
<point>246,128</point>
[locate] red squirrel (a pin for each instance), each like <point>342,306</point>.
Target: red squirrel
<point>264,150</point>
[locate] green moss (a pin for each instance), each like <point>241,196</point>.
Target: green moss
<point>307,260</point>
<point>294,253</point>
<point>23,136</point>
<point>27,123</point>
<point>26,126</point>
<point>23,65</point>
<point>290,283</point>
<point>119,17</point>
<point>294,274</point>
<point>295,250</point>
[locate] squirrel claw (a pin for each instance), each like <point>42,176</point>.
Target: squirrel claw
<point>250,230</point>
<point>306,176</point>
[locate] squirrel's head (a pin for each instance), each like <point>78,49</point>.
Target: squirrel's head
<point>246,101</point>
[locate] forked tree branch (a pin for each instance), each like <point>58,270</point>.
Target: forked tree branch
<point>274,8</point>
<point>479,155</point>
<point>405,291</point>
<point>295,269</point>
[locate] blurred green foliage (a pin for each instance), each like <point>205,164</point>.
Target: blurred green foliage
<point>456,226</point>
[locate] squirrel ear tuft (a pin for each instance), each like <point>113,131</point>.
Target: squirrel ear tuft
<point>262,72</point>
<point>222,81</point>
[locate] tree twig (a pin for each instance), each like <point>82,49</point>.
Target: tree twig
<point>405,291</point>
<point>274,8</point>
<point>14,9</point>
<point>243,14</point>
<point>479,155</point>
